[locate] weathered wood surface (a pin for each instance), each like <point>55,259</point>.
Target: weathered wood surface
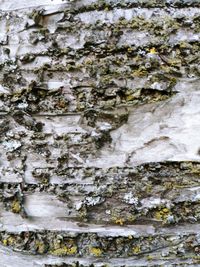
<point>99,133</point>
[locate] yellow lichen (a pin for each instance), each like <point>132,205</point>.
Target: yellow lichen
<point>130,50</point>
<point>183,44</point>
<point>165,210</point>
<point>8,241</point>
<point>174,62</point>
<point>16,207</point>
<point>72,250</point>
<point>96,251</point>
<point>64,251</point>
<point>162,214</point>
<point>11,240</point>
<point>60,251</point>
<point>131,218</point>
<point>149,257</point>
<point>168,185</point>
<point>5,242</point>
<point>130,97</point>
<point>158,215</point>
<point>136,249</point>
<point>88,61</point>
<point>195,169</point>
<point>149,188</point>
<point>56,244</point>
<point>152,50</point>
<point>139,73</point>
<point>119,221</point>
<point>40,246</point>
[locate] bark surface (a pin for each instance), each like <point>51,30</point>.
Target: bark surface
<point>99,133</point>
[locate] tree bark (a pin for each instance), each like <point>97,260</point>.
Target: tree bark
<point>99,129</point>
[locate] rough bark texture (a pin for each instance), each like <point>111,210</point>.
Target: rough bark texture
<point>99,133</point>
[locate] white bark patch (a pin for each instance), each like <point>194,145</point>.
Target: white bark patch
<point>158,132</point>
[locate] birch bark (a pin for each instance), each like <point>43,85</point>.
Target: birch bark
<point>99,133</point>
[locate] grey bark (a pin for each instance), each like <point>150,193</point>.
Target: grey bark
<point>99,133</point>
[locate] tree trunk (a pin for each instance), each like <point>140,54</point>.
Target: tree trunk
<point>99,128</point>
